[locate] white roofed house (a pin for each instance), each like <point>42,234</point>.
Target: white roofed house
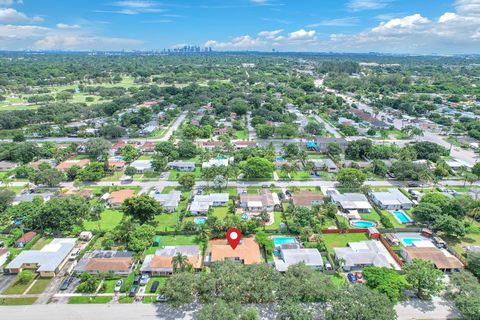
<point>324,165</point>
<point>392,199</point>
<point>47,262</point>
<point>169,201</point>
<point>160,263</point>
<point>217,162</point>
<point>265,200</point>
<point>351,202</point>
<point>291,254</point>
<point>142,166</point>
<point>181,166</point>
<point>365,253</point>
<point>202,203</point>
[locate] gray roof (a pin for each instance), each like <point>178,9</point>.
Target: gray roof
<point>167,200</point>
<point>311,257</point>
<point>351,200</point>
<point>181,164</point>
<point>141,164</point>
<point>27,197</point>
<point>203,202</point>
<point>391,196</point>
<point>362,253</point>
<point>323,162</point>
<point>48,258</point>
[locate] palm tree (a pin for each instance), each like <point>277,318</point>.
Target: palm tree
<point>180,263</point>
<point>219,181</point>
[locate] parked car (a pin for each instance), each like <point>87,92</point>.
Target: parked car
<point>118,286</point>
<point>144,279</point>
<point>414,184</point>
<point>161,298</point>
<point>136,279</point>
<point>154,286</point>
<point>74,254</point>
<point>351,277</point>
<point>133,291</point>
<point>66,283</point>
<point>359,277</point>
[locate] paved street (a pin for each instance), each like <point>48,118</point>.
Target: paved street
<point>436,309</point>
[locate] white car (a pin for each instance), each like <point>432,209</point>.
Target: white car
<point>118,286</point>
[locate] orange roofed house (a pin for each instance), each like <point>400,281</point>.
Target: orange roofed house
<point>160,263</point>
<point>120,263</point>
<point>116,198</point>
<point>65,165</point>
<point>247,251</point>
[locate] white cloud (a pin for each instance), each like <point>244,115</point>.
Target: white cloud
<point>10,15</point>
<point>79,42</point>
<point>10,2</point>
<point>467,7</point>
<point>408,22</point>
<point>302,35</point>
<point>132,7</point>
<point>269,34</point>
<point>340,22</point>
<point>358,5</point>
<point>14,32</point>
<point>67,26</point>
<point>259,1</point>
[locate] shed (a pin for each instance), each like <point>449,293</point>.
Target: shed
<point>156,241</point>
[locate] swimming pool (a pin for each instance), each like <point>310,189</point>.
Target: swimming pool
<point>200,220</point>
<point>245,217</point>
<point>408,242</point>
<point>401,216</point>
<point>363,224</point>
<point>278,241</point>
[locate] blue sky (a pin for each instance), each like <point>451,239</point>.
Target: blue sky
<point>397,26</point>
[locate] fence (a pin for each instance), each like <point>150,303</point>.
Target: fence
<point>390,250</point>
<point>353,230</point>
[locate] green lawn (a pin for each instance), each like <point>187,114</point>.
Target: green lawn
<point>472,238</point>
<point>125,299</point>
<point>109,219</point>
<point>175,175</point>
<point>232,191</point>
<point>40,285</point>
<point>89,300</point>
<point>371,216</point>
<point>220,212</point>
<point>176,240</point>
<point>161,281</point>
<point>17,288</point>
<point>109,286</point>
<point>149,299</point>
<point>167,221</point>
<point>17,301</point>
<point>316,156</point>
<point>241,134</point>
<point>299,175</point>
<point>41,243</point>
<point>340,240</point>
<point>276,223</point>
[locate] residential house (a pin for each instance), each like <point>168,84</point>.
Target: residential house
<point>458,164</point>
<point>147,147</point>
<point>292,254</point>
<point>7,166</point>
<point>441,258</point>
<point>351,202</point>
<point>210,145</point>
<point>160,263</point>
<point>169,201</point>
<point>28,197</point>
<point>181,166</point>
<point>321,143</point>
<point>36,164</point>
<point>120,263</point>
<point>364,253</point>
<point>25,239</point>
<point>244,144</point>
<point>307,198</point>
<point>116,148</point>
<point>142,166</point>
<point>220,131</point>
<point>217,162</point>
<point>369,120</point>
<point>116,198</point>
<point>47,262</point>
<point>324,165</point>
<point>116,165</point>
<point>246,252</point>
<point>202,203</point>
<point>392,199</point>
<point>264,201</point>
<point>65,165</point>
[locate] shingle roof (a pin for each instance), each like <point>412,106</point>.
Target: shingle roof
<point>438,257</point>
<point>247,250</point>
<point>305,198</point>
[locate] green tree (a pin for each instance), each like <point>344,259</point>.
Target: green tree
<point>187,181</point>
<point>130,171</point>
<point>351,178</point>
<point>426,212</point>
<point>141,238</point>
<point>49,177</point>
<point>180,288</point>
<point>424,278</point>
<point>129,153</point>
<point>97,147</point>
<point>62,214</point>
<point>257,167</point>
<point>94,171</point>
<point>293,311</point>
<point>450,226</point>
<point>386,281</point>
<point>180,263</point>
<point>25,276</point>
<point>220,310</point>
<point>6,198</point>
<point>142,208</point>
<point>473,262</point>
<point>369,304</point>
<point>465,291</point>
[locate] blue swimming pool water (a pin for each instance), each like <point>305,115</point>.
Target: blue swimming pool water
<point>409,241</point>
<point>363,224</point>
<point>282,240</point>
<point>245,216</point>
<point>402,216</point>
<point>200,220</point>
<point>221,158</point>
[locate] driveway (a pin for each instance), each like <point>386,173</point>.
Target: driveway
<point>5,281</point>
<point>437,309</point>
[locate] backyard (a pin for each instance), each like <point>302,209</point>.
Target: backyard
<point>340,240</point>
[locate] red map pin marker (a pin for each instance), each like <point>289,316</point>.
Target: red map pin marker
<point>233,237</point>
